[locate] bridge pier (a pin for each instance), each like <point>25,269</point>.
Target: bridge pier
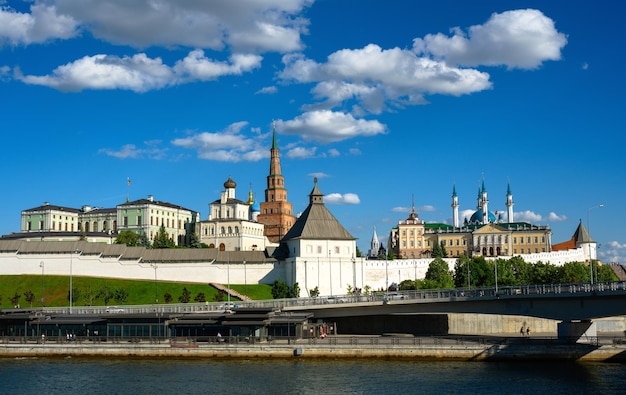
<point>583,331</point>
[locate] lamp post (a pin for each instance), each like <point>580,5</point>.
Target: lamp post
<point>228,277</point>
<point>156,287</point>
<point>330,271</point>
<point>43,288</point>
<point>71,262</point>
<point>245,278</point>
<point>590,239</point>
<point>495,265</point>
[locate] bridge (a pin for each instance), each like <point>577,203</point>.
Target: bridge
<point>575,305</point>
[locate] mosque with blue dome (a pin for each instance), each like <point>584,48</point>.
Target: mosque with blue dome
<point>484,233</point>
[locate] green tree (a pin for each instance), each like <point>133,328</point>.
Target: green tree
<point>505,272</point>
<point>185,297</point>
<point>168,297</point>
<point>544,273</point>
<point>76,294</point>
<point>105,294</point>
<point>280,290</point>
<point>294,292</point>
<point>436,252</point>
<point>120,295</point>
<point>315,292</point>
<point>30,297</point>
<point>407,285</point>
<point>127,237</point>
<point>521,270</point>
<point>15,299</point>
<point>143,240</point>
<point>219,296</point>
<point>194,241</point>
<point>573,272</point>
<point>439,272</point>
<point>358,252</point>
<point>200,297</point>
<point>605,273</point>
<point>462,271</point>
<point>162,240</point>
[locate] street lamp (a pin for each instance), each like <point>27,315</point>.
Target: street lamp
<point>71,263</point>
<point>156,289</point>
<point>590,239</point>
<point>43,288</point>
<point>330,271</point>
<point>228,275</point>
<point>245,278</point>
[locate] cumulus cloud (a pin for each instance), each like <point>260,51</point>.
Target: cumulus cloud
<point>328,126</point>
<point>250,26</point>
<point>612,252</point>
<point>338,198</point>
<point>319,175</point>
<point>375,77</point>
<point>526,216</point>
<point>229,145</point>
<point>267,90</point>
<point>334,152</point>
<point>301,152</point>
<point>400,209</point>
<point>138,73</point>
<point>44,23</point>
<point>131,151</point>
<point>516,39</point>
<point>554,217</point>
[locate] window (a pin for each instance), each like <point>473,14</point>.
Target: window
<point>236,229</point>
<point>230,230</point>
<point>536,240</point>
<point>139,220</point>
<point>223,230</point>
<point>319,249</point>
<point>28,226</point>
<point>336,250</point>
<point>125,221</point>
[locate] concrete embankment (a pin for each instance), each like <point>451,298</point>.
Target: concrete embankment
<point>464,352</point>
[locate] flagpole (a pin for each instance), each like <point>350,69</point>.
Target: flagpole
<point>128,190</point>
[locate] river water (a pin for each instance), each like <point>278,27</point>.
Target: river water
<point>302,376</point>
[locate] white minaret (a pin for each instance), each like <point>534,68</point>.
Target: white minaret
<point>509,203</point>
<point>455,208</point>
<point>485,204</point>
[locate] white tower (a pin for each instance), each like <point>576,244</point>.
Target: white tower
<point>509,203</point>
<point>455,208</point>
<point>375,244</point>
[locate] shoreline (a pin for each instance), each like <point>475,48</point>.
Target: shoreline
<point>456,352</point>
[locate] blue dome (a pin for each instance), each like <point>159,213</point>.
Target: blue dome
<point>477,217</point>
<point>255,208</point>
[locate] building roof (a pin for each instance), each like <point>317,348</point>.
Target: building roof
<point>581,235</point>
<point>48,207</point>
<point>316,222</point>
<point>151,201</point>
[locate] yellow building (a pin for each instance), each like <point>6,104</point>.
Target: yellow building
<point>483,234</point>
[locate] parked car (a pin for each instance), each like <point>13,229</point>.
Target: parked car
<point>114,309</point>
<point>228,306</point>
<point>335,299</point>
<point>395,295</point>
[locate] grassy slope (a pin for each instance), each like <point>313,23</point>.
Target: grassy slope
<point>86,289</point>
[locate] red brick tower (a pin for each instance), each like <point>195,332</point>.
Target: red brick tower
<point>276,212</point>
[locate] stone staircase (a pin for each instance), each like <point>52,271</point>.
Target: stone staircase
<point>231,292</point>
<point>619,270</point>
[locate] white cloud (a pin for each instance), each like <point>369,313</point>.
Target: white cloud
<point>139,73</point>
<point>334,152</point>
<point>229,145</point>
<point>329,126</point>
<point>319,175</point>
<point>612,252</point>
<point>301,152</point>
<point>251,25</point>
<point>375,77</point>
<point>131,151</point>
<point>401,209</point>
<point>43,24</point>
<point>526,216</point>
<point>553,217</point>
<point>354,151</point>
<point>338,198</point>
<point>267,90</point>
<point>516,39</point>
<point>426,208</point>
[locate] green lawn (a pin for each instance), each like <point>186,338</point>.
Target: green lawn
<point>93,291</point>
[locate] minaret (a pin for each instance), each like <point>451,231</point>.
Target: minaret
<point>276,211</point>
<point>485,204</point>
<point>455,208</point>
<point>509,203</point>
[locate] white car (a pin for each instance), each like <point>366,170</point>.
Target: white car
<point>228,306</point>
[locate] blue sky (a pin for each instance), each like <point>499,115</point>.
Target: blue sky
<point>382,101</point>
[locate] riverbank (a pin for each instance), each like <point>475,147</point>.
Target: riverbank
<point>535,349</point>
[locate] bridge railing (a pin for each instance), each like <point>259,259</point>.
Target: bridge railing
<point>328,301</point>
